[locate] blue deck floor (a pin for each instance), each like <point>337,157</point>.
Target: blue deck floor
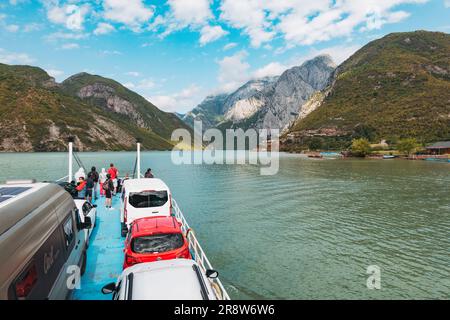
<point>105,253</point>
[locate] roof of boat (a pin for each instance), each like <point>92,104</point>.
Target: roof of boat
<point>144,184</point>
<point>166,280</point>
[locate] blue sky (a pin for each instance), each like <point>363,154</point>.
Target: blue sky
<point>176,52</point>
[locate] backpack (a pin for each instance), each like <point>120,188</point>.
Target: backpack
<point>105,185</point>
<point>95,176</point>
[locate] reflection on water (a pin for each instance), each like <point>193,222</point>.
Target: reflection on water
<point>308,232</point>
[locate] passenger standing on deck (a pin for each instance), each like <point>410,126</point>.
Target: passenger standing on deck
<point>95,176</point>
<point>90,184</point>
<point>113,172</point>
<point>108,186</point>
<point>148,173</point>
<point>102,178</point>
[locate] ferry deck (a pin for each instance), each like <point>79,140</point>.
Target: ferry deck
<point>105,253</point>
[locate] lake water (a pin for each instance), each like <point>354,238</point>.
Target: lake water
<point>309,232</point>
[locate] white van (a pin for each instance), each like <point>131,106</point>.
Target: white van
<point>42,242</point>
<point>178,279</point>
<point>143,198</point>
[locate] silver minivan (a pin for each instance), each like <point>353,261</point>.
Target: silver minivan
<point>42,242</point>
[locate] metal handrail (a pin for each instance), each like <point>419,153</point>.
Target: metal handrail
<point>62,179</point>
<point>199,254</point>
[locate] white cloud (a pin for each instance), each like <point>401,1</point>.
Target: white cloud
<point>233,71</point>
<point>55,73</point>
<point>132,13</point>
<point>111,53</point>
<point>189,12</point>
<point>103,28</point>
<point>32,27</point>
<point>447,3</point>
<point>211,33</point>
<point>229,46</point>
<point>250,16</point>
<point>133,74</point>
<point>14,57</point>
<point>146,84</point>
<point>181,101</point>
<point>70,46</point>
<point>129,85</point>
<point>338,53</point>
<point>143,84</point>
<point>195,14</point>
<point>15,2</point>
<point>270,70</point>
<point>12,28</point>
<point>304,22</point>
<point>66,36</point>
<point>70,15</point>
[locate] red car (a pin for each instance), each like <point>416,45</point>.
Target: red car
<point>155,238</point>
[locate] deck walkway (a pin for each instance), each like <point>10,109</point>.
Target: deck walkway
<point>105,253</point>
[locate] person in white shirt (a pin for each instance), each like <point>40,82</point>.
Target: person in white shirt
<point>103,178</point>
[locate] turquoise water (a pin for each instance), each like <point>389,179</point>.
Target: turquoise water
<point>308,232</point>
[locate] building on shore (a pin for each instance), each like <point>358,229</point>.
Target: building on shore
<point>438,148</point>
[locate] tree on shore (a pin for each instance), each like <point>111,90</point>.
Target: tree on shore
<point>315,144</point>
<point>407,146</point>
<point>360,147</point>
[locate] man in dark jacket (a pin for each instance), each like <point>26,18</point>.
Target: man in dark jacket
<point>95,177</point>
<point>90,184</point>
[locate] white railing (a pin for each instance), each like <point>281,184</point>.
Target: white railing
<point>199,254</point>
<point>62,179</point>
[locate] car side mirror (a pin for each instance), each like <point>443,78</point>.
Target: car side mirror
<point>109,288</point>
<point>212,274</point>
<point>87,223</point>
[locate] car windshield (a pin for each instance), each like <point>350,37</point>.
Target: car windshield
<point>148,199</point>
<point>157,243</point>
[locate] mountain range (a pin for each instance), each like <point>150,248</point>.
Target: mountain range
<point>270,102</point>
<point>392,88</point>
<point>39,114</point>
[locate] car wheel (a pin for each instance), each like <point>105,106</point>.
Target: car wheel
<point>83,264</point>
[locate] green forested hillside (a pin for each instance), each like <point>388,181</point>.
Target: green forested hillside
<point>154,119</point>
<point>394,87</point>
<point>38,114</point>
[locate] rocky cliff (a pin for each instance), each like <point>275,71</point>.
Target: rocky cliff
<point>271,102</point>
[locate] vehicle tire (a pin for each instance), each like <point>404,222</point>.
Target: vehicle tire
<point>83,264</point>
